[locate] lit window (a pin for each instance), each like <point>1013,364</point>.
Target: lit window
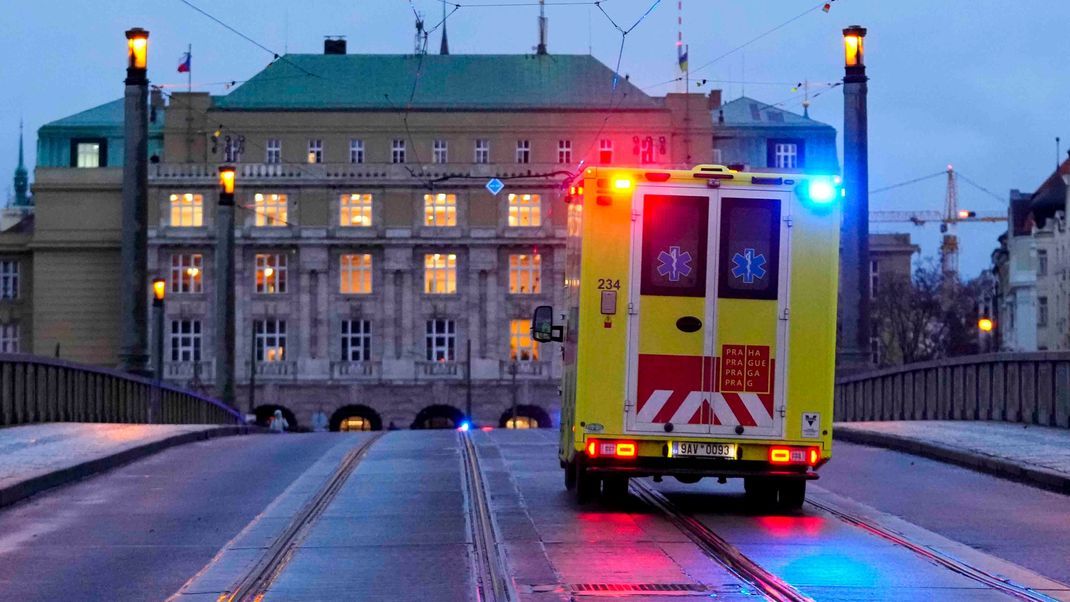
<point>185,340</point>
<point>89,154</point>
<point>525,210</point>
<point>274,151</point>
<point>397,152</point>
<point>354,423</point>
<point>564,151</point>
<point>355,210</point>
<point>525,274</point>
<point>315,151</point>
<point>522,422</point>
<point>356,151</point>
<point>356,340</point>
<point>575,219</point>
<point>9,279</point>
<point>605,151</point>
<point>356,273</point>
<point>270,340</point>
<point>785,155</point>
<point>440,273</point>
<point>522,348</point>
<point>270,273</point>
<point>187,210</point>
<point>482,150</point>
<point>187,273</point>
<point>441,340</point>
<point>523,151</point>
<point>9,338</point>
<point>270,209</point>
<point>440,210</point>
<point>439,152</point>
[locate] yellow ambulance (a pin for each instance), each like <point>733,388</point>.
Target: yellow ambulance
<point>699,330</point>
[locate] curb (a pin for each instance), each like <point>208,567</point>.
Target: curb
<point>1043,478</point>
<point>34,485</point>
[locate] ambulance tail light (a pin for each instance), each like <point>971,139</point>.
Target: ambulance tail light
<point>657,176</point>
<point>808,456</point>
<point>601,448</point>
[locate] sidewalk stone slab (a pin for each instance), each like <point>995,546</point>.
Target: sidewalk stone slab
<point>40,456</point>
<point>1037,455</point>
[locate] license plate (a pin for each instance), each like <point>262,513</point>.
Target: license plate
<point>704,449</point>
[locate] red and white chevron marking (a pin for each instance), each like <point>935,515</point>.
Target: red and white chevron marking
<point>677,389</point>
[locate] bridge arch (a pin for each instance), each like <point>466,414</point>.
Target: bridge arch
<point>265,412</point>
<point>356,417</point>
<point>438,416</point>
<point>528,417</point>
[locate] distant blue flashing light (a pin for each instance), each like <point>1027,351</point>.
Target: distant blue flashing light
<point>465,426</point>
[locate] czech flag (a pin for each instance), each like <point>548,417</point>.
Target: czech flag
<point>183,67</point>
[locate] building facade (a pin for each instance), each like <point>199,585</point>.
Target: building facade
<point>756,136</point>
<point>372,256</point>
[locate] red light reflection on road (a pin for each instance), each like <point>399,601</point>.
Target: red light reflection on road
<point>789,527</point>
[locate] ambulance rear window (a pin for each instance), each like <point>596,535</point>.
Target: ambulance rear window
<point>750,248</point>
<point>674,245</point>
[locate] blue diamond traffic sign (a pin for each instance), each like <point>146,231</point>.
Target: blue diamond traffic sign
<point>494,185</point>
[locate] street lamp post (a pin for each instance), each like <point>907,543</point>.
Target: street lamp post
<point>134,245</point>
<point>225,312</point>
<point>854,270</point>
<point>159,290</point>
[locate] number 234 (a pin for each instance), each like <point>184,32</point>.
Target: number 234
<point>608,284</point>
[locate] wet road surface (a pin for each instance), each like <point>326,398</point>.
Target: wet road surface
<point>399,527</point>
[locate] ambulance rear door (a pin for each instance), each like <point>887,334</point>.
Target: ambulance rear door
<point>706,302</point>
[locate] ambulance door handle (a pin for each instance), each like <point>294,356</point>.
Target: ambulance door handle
<point>689,324</point>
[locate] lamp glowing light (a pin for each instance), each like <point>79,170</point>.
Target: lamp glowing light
<point>159,288</point>
<point>137,48</point>
<point>854,46</point>
<point>986,325</point>
<point>226,179</point>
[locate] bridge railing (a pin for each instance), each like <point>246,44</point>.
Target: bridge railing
<point>1032,388</point>
<point>40,389</point>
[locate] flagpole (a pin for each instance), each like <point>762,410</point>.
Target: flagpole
<point>189,72</point>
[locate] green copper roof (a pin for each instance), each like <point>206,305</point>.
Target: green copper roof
<point>455,82</point>
<point>745,111</point>
<point>107,114</point>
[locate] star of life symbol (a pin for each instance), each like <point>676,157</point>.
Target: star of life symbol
<point>748,266</point>
<point>674,264</point>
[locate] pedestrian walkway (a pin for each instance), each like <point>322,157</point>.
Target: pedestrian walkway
<point>38,456</point>
<point>1034,454</point>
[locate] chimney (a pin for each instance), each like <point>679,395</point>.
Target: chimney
<point>334,45</point>
<point>714,100</point>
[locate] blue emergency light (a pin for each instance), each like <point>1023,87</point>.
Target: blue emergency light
<point>820,191</point>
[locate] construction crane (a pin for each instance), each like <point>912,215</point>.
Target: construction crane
<point>949,218</point>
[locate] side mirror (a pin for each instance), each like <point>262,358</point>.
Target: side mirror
<point>542,325</point>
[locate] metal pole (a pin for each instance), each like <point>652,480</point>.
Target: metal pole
<point>133,318</point>
<point>157,367</point>
<point>512,371</point>
<point>225,312</point>
<point>468,381</point>
<point>854,285</point>
<point>252,370</point>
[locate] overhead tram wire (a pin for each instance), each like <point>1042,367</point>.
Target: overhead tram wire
<point>616,77</point>
<point>760,36</point>
<point>276,55</point>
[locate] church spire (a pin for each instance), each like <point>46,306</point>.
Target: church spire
<point>445,47</point>
<point>22,180</point>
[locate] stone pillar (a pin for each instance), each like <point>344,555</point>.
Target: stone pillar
<point>225,306</point>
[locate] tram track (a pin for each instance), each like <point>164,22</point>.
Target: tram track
<point>969,571</point>
<point>718,549</point>
<point>492,575</point>
<point>255,583</point>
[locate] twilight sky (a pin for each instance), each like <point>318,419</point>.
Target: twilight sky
<point>976,83</point>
